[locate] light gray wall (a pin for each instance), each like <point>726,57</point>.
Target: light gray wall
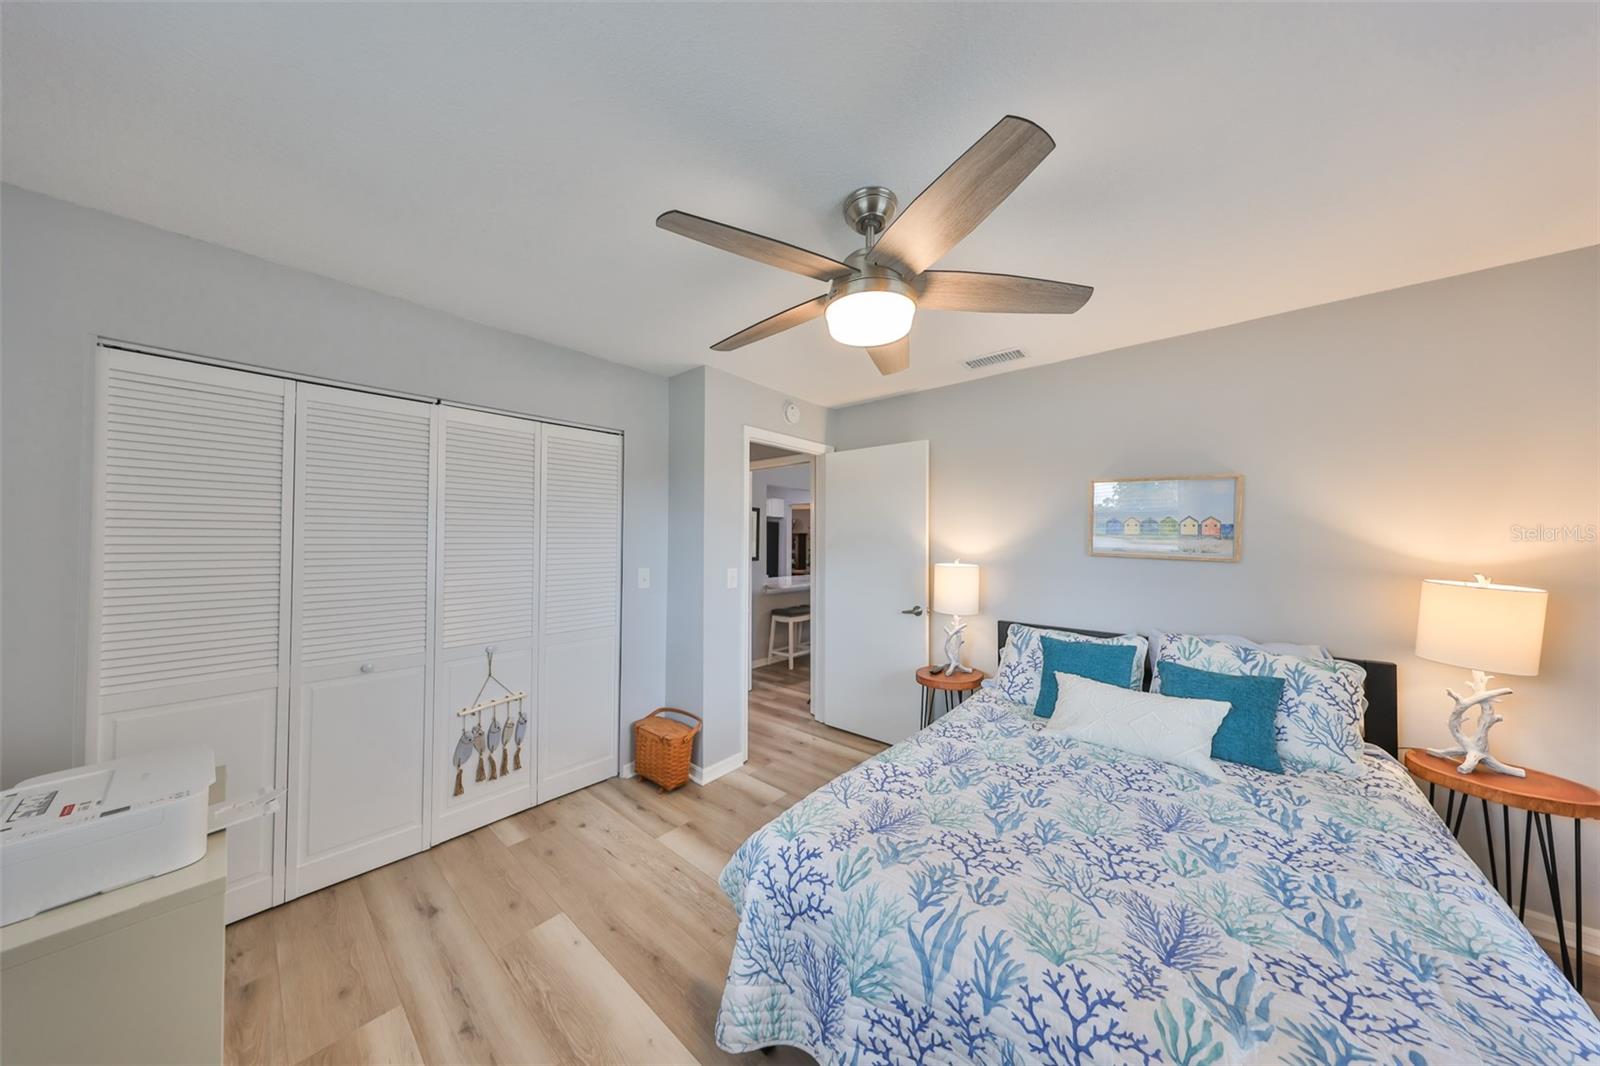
<point>1382,440</point>
<point>72,274</point>
<point>708,661</point>
<point>685,675</point>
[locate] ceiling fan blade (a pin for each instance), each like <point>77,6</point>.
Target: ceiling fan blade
<point>962,290</point>
<point>753,246</point>
<point>779,322</point>
<point>892,358</point>
<point>962,196</point>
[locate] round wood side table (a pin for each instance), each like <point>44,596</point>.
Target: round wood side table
<point>955,687</point>
<point>1541,795</point>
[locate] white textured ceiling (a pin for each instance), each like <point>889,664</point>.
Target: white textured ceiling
<point>506,162</point>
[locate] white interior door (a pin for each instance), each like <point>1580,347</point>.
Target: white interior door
<point>874,583</point>
<point>188,639</point>
<point>488,597</point>
<point>580,489</point>
<point>362,619</point>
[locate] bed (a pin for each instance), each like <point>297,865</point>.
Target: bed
<point>989,892</point>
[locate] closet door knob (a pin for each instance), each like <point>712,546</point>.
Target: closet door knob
<point>366,668</point>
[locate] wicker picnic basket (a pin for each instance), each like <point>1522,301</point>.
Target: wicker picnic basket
<point>662,746</point>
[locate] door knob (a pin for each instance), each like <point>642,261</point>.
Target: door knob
<point>914,611</point>
<point>366,668</point>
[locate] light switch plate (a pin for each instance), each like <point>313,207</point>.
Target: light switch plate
<point>644,577</point>
<point>733,577</point>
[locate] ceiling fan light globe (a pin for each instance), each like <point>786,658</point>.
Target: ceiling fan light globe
<point>871,318</point>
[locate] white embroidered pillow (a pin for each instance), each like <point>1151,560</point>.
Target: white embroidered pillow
<point>1163,728</point>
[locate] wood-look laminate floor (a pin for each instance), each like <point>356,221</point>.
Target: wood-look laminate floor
<point>587,930</point>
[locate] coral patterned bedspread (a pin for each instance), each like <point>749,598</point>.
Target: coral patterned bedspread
<point>989,892</point>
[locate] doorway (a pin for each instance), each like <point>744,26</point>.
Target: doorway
<point>781,610</point>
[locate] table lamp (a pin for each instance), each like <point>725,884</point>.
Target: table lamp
<point>955,593</point>
<point>1489,629</point>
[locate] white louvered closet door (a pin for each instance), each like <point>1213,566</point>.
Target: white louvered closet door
<point>581,491</point>
<point>488,594</point>
<point>189,577</point>
<point>362,611</point>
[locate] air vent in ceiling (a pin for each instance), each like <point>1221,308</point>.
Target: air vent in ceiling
<point>1010,355</point>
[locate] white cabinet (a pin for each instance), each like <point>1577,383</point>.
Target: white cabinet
<point>361,633</point>
<point>581,486</point>
<point>308,579</point>
<point>189,579</point>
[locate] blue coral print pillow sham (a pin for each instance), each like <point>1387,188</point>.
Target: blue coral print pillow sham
<point>1022,661</point>
<point>1318,725</point>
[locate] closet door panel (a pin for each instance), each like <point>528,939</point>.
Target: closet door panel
<point>241,730</point>
<point>488,533</point>
<point>581,488</point>
<point>189,581</point>
<point>363,543</point>
<point>360,737</point>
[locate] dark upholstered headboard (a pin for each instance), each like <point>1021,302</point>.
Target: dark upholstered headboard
<point>1382,726</point>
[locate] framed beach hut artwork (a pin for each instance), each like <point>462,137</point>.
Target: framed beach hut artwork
<point>1197,518</point>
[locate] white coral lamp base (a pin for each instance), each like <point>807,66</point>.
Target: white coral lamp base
<point>952,647</point>
<point>1473,751</point>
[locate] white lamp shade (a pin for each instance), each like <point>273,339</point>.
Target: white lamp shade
<point>955,588</point>
<point>1498,629</point>
<point>774,507</point>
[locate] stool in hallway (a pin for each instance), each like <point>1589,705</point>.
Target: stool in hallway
<point>790,617</point>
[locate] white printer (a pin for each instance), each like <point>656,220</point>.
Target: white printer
<point>76,833</point>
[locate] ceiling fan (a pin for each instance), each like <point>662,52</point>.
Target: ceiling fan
<point>873,295</point>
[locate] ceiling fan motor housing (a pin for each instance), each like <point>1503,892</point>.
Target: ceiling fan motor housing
<point>868,277</point>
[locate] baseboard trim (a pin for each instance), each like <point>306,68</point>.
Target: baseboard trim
<point>704,775</point>
<point>1544,926</point>
<point>698,774</point>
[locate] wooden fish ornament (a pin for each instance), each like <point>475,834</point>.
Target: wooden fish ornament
<point>460,756</point>
<point>477,743</point>
<point>494,744</point>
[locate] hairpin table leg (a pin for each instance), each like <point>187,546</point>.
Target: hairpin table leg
<point>1547,853</point>
<point>1577,904</point>
<point>1505,834</point>
<point>1527,849</point>
<point>1488,836</point>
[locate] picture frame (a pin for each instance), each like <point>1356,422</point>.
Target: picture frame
<point>755,534</point>
<point>1192,518</point>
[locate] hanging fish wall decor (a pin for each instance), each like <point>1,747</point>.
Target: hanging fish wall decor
<point>494,743</point>
<point>462,753</point>
<point>505,746</point>
<point>497,741</point>
<point>477,742</point>
<point>522,731</point>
